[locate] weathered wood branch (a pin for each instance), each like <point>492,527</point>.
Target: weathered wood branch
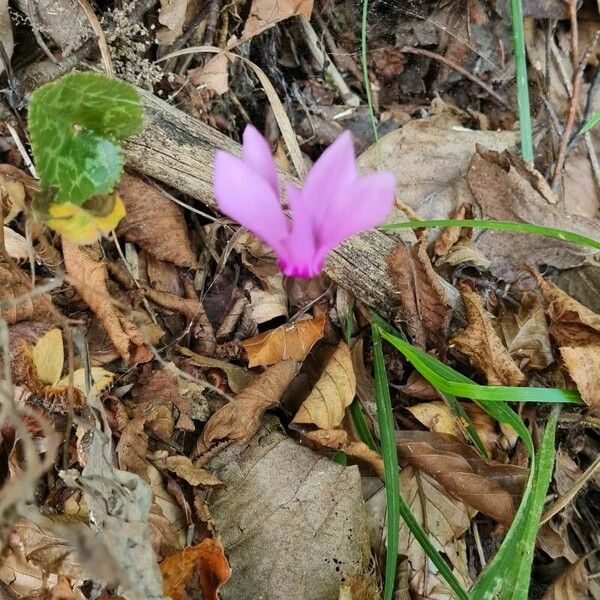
<point>179,150</point>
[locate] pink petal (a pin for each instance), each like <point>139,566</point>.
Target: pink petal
<point>247,198</point>
<point>299,258</point>
<point>365,205</point>
<point>334,170</point>
<point>257,155</point>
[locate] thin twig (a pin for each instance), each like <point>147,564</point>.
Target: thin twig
<point>577,80</point>
<point>572,6</point>
<point>101,39</point>
<point>35,27</point>
<point>450,63</point>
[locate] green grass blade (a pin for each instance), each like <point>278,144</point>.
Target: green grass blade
<point>449,381</point>
<point>514,227</point>
<point>396,505</point>
<point>390,463</point>
<point>508,575</point>
<point>365,67</point>
<point>516,17</point>
<point>591,122</point>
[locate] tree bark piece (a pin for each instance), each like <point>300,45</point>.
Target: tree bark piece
<point>179,151</point>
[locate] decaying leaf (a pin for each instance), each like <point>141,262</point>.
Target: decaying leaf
<point>150,216</point>
<point>583,366</point>
<point>237,377</point>
<point>304,536</point>
<point>268,301</point>
<point>237,421</point>
<point>571,323</point>
<point>436,416</point>
<point>464,253</point>
<point>16,245</point>
<point>365,384</point>
<point>18,304</point>
<point>206,560</point>
<point>424,305</point>
<point>451,235</point>
<point>571,584</point>
<point>526,335</point>
<point>132,448</point>
<point>12,194</point>
<point>89,276</point>
<point>172,16</point>
<point>185,468</point>
<point>463,473</point>
<point>480,342</point>
<point>214,75</point>
<point>332,394</point>
<point>266,13</point>
<point>101,380</point>
<point>48,356</point>
<point>288,341</point>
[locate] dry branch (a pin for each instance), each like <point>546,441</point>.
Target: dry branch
<point>178,150</point>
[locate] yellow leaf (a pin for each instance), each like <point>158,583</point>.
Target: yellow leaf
<point>49,356</point>
<point>82,226</point>
<point>332,394</point>
<point>101,379</point>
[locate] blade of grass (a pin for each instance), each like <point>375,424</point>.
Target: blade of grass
<point>516,18</point>
<point>560,234</point>
<point>508,575</point>
<point>591,122</point>
<point>449,381</point>
<point>364,433</point>
<point>396,505</point>
<point>365,67</point>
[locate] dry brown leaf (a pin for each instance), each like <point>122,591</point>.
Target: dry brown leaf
<point>436,416</point>
<point>206,560</point>
<point>49,356</point>
<point>481,344</point>
<point>237,377</point>
<point>172,16</point>
<point>462,473</point>
<point>89,276</point>
<point>64,590</point>
<point>158,399</point>
<point>213,75</point>
<point>18,304</point>
<point>133,447</point>
<point>332,394</point>
<point>168,506</point>
<point>12,193</point>
<point>571,323</point>
<point>583,366</point>
<point>164,537</point>
<point>450,235</point>
<point>526,335</point>
<point>16,245</point>
<point>463,253</point>
<point>266,13</point>
<point>185,468</point>
<point>571,584</point>
<point>150,215</point>
<point>293,341</point>
<point>424,305</point>
<point>268,301</point>
<point>237,421</point>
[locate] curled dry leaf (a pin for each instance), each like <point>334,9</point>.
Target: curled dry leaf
<point>571,584</point>
<point>88,276</point>
<point>185,468</point>
<point>436,416</point>
<point>237,421</point>
<point>424,305</point>
<point>571,323</point>
<point>291,341</point>
<point>450,235</point>
<point>464,253</point>
<point>266,13</point>
<point>18,304</point>
<point>207,561</point>
<point>583,366</point>
<point>332,394</point>
<point>150,215</point>
<point>237,377</point>
<point>471,479</point>
<point>480,342</point>
<point>526,335</point>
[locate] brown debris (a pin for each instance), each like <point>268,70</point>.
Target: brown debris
<point>89,276</point>
<point>583,365</point>
<point>481,344</point>
<point>154,222</point>
<point>424,305</point>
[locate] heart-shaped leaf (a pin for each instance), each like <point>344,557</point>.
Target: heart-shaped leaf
<point>75,125</point>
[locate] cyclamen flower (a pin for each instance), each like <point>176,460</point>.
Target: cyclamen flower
<point>335,203</point>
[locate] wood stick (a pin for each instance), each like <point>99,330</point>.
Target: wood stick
<point>179,150</point>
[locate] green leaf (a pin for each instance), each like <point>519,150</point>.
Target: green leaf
<point>591,122</point>
<point>75,124</point>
